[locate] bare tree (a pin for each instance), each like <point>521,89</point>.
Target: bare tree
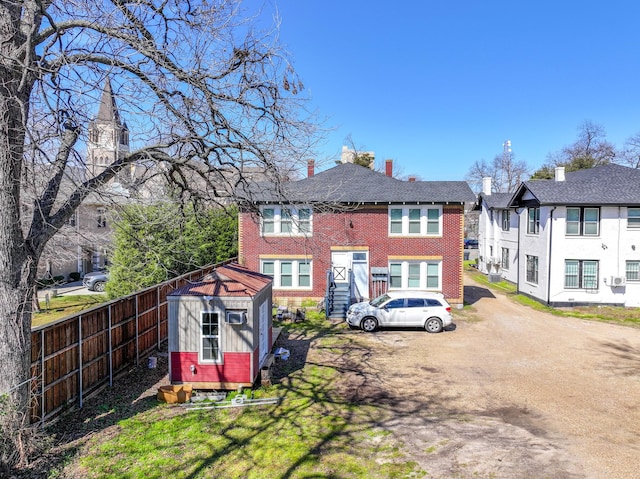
<point>206,92</point>
<point>505,171</point>
<point>630,155</point>
<point>589,150</point>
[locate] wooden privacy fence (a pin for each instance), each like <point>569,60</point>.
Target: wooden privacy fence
<point>78,356</point>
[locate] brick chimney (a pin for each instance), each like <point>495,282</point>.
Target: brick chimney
<point>388,168</point>
<point>412,179</point>
<point>311,167</point>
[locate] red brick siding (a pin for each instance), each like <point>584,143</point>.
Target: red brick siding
<point>370,228</point>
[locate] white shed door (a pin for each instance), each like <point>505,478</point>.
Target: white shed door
<point>264,331</point>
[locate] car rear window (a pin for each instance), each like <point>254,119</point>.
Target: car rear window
<point>433,302</point>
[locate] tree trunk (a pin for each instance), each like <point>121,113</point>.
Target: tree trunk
<point>18,257</point>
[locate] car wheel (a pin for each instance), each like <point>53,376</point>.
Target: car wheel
<point>99,286</point>
<point>369,325</point>
<point>433,325</point>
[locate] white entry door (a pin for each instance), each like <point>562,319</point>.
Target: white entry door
<point>340,266</point>
<point>357,262</point>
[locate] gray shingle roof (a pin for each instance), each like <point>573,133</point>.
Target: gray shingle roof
<point>496,200</point>
<point>349,183</point>
<point>603,185</point>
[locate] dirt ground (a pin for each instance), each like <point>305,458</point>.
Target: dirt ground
<point>508,392</point>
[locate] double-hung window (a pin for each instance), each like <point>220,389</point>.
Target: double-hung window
<point>633,218</point>
<point>532,269</point>
<point>210,336</point>
<point>633,270</point>
<point>533,223</point>
<point>582,221</point>
<point>288,273</point>
<point>415,220</point>
<point>101,218</point>
<point>286,221</point>
<point>506,220</point>
<point>415,275</point>
<point>580,274</point>
<point>505,258</point>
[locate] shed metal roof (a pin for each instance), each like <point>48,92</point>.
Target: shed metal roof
<point>230,280</point>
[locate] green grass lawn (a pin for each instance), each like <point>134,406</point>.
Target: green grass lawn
<point>62,306</point>
<point>314,432</point>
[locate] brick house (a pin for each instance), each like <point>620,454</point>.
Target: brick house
<point>350,233</point>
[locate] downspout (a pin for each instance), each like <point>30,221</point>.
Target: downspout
<point>619,246</point>
<point>519,252</point>
<point>549,255</point>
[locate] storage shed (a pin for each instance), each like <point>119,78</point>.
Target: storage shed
<point>220,329</point>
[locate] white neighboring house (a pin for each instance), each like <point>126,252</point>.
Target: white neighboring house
<point>497,234</point>
<point>578,237</point>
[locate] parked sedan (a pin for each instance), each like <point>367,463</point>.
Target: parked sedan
<point>96,280</point>
<point>427,310</point>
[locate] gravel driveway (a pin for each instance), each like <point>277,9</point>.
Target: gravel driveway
<point>509,393</point>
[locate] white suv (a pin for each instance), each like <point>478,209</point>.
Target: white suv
<point>427,310</point>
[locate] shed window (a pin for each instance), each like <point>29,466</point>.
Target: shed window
<point>210,321</point>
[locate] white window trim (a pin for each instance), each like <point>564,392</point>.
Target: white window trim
<point>536,221</point>
<point>537,269</point>
<point>505,215</point>
<point>277,220</point>
<point>582,222</point>
<point>295,279</point>
<point>404,274</point>
<point>423,220</point>
<point>502,258</point>
<point>219,359</point>
<point>580,274</point>
<point>626,270</point>
<point>632,226</point>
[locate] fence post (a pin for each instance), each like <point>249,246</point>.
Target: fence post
<point>110,347</point>
<point>80,392</point>
<point>137,330</point>
<point>42,381</point>
<point>158,315</point>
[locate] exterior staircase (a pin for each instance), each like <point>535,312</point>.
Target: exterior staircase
<point>339,296</point>
<point>339,300</point>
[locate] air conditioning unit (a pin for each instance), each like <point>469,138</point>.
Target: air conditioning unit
<point>618,280</point>
<point>236,317</point>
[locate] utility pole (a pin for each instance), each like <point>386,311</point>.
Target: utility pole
<point>506,161</point>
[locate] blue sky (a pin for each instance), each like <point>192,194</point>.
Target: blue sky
<point>436,86</point>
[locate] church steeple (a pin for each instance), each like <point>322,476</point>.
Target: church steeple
<point>108,110</point>
<point>108,134</point>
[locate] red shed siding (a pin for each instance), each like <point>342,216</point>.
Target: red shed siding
<point>370,229</point>
<point>236,369</point>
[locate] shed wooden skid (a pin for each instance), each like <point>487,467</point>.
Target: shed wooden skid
<point>220,329</point>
